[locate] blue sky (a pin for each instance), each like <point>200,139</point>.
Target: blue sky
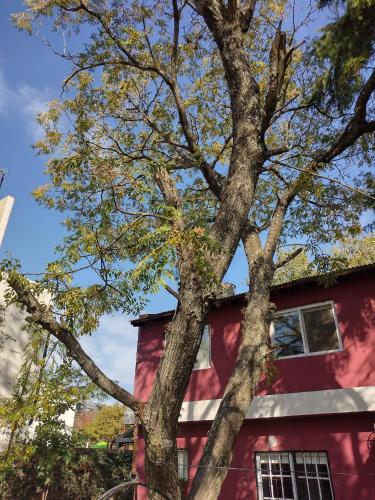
<point>30,76</point>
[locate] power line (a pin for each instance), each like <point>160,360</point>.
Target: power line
<point>254,469</point>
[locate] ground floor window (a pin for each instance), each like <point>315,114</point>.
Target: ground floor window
<point>302,475</point>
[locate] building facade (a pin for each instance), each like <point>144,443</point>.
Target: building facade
<point>309,433</point>
<point>13,341</point>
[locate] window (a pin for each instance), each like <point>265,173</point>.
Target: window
<point>183,464</point>
<point>306,330</point>
<point>293,476</point>
<point>204,354</point>
<point>203,359</point>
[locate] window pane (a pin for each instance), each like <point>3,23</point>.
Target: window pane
<point>316,475</point>
<point>288,487</point>
<point>275,482</point>
<point>322,470</point>
<point>204,355</point>
<point>264,467</point>
<point>266,487</point>
<point>288,334</point>
<point>302,488</point>
<point>277,488</point>
<point>183,469</point>
<point>320,329</point>
<point>275,466</point>
<point>326,490</point>
<point>314,489</point>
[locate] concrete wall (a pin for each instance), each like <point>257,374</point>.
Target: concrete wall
<point>12,343</point>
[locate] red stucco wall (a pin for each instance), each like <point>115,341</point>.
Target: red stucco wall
<point>343,437</point>
<point>354,300</point>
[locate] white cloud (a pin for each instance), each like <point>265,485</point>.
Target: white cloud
<point>113,348</point>
<point>23,102</point>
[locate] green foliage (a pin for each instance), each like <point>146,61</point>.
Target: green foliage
<point>107,423</point>
<point>47,385</point>
<point>350,252</point>
<point>114,131</point>
<point>346,48</point>
<point>51,461</point>
<point>295,269</point>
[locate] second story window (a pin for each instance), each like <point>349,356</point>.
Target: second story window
<point>204,354</point>
<point>306,330</point>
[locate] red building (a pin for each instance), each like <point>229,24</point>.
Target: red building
<point>308,434</point>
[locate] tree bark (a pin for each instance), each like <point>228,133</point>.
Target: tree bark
<point>161,412</point>
<point>242,385</point>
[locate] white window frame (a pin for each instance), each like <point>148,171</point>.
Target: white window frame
<point>292,455</point>
<point>183,469</point>
<point>299,309</point>
<point>208,366</point>
<point>259,472</point>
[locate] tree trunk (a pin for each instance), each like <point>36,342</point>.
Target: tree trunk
<point>242,386</point>
<point>161,413</point>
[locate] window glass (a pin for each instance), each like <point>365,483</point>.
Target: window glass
<point>293,476</point>
<point>183,464</point>
<point>274,476</point>
<point>304,330</point>
<point>320,328</point>
<point>288,335</point>
<point>313,479</point>
<point>204,355</point>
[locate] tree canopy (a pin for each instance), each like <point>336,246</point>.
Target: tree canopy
<point>184,129</point>
<point>350,252</point>
<point>108,422</point>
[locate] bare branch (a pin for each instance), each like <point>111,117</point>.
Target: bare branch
<point>88,67</point>
<point>172,292</point>
<point>43,316</point>
<point>246,14</point>
<point>176,33</point>
<point>336,181</point>
<point>277,151</point>
<point>288,258</point>
<point>357,126</point>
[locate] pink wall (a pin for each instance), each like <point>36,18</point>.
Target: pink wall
<point>343,438</point>
<point>354,298</point>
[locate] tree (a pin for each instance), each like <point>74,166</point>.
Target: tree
<point>350,252</point>
<point>54,461</point>
<point>107,423</point>
<point>184,129</point>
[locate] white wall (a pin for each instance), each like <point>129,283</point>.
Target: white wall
<point>12,343</point>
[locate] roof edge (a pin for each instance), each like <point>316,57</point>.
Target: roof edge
<point>145,318</point>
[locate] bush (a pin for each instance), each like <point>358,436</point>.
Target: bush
<point>53,461</point>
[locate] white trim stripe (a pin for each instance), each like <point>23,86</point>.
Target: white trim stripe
<point>330,401</point>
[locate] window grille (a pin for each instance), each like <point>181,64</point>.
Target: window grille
<point>293,476</point>
<point>183,464</point>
